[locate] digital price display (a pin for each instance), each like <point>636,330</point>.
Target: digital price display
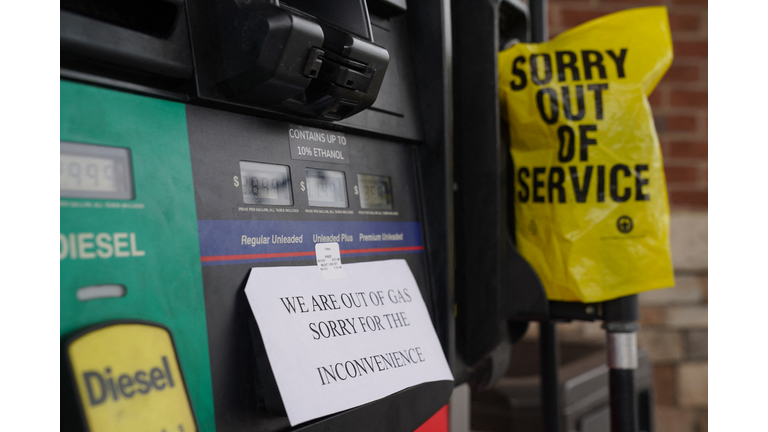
<point>326,188</point>
<point>266,183</point>
<point>375,191</point>
<point>94,171</point>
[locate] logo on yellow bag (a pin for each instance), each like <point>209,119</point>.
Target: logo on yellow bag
<point>128,379</point>
<point>624,224</point>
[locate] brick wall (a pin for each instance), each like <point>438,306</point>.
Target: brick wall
<point>674,322</point>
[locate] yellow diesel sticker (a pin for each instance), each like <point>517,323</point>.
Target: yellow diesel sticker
<point>129,379</point>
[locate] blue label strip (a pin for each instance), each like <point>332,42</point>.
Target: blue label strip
<point>236,242</point>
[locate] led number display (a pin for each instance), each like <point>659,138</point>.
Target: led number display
<point>375,191</point>
<point>266,183</point>
<point>326,188</point>
<point>94,171</point>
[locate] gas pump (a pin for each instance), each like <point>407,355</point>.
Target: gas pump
<point>202,139</point>
<point>494,281</point>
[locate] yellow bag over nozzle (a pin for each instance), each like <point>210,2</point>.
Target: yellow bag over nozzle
<point>591,208</point>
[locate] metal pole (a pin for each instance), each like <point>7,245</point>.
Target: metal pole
<point>621,333</point>
<point>539,20</point>
<point>549,361</point>
<point>549,348</point>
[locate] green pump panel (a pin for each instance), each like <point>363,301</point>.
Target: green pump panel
<point>135,256</point>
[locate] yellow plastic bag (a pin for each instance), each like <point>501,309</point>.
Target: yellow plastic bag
<point>591,209</point>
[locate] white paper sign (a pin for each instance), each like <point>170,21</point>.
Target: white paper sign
<point>335,344</point>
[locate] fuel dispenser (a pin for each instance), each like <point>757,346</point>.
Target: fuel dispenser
<point>494,281</point>
<point>202,139</point>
